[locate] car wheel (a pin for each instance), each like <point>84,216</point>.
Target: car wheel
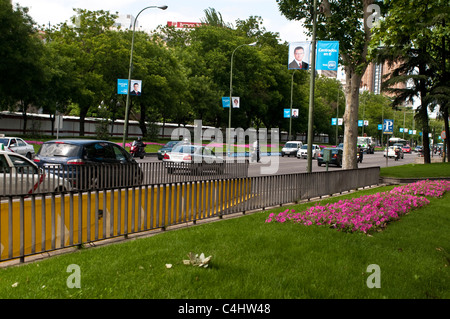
<point>60,189</point>
<point>28,155</point>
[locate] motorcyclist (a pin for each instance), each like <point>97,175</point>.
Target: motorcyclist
<point>140,145</point>
<point>397,153</point>
<point>360,152</point>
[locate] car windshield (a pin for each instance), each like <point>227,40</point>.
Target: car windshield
<point>4,141</point>
<point>171,143</point>
<point>304,147</point>
<point>184,149</point>
<point>290,145</point>
<point>59,149</point>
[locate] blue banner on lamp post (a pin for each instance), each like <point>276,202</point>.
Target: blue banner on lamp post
<point>327,55</point>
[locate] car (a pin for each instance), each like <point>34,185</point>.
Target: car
<point>194,158</point>
<point>303,151</point>
<point>17,145</point>
<point>335,156</point>
<point>168,147</point>
<point>406,149</point>
<point>20,175</point>
<point>90,164</point>
<point>391,151</point>
<point>291,148</point>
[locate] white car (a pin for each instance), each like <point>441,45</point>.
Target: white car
<point>391,151</point>
<point>19,175</point>
<point>17,145</point>
<point>303,151</point>
<point>291,148</point>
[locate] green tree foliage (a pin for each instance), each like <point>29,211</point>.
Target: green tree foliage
<point>413,41</point>
<point>21,51</point>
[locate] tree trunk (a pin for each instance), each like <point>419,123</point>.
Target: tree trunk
<point>82,121</point>
<point>351,119</point>
<point>446,128</point>
<point>25,117</point>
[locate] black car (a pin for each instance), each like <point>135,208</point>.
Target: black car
<point>169,147</point>
<point>335,158</point>
<point>89,164</point>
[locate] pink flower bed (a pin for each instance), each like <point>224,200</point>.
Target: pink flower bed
<point>368,213</point>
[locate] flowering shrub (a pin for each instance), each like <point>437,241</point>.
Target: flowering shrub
<point>368,213</point>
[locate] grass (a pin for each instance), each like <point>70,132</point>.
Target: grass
<point>255,260</point>
<point>417,170</point>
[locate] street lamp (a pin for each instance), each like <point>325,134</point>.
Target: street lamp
<point>290,116</point>
<point>311,90</point>
<point>125,127</point>
<point>231,90</point>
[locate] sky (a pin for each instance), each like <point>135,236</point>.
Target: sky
<point>56,11</point>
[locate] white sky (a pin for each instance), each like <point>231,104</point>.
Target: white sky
<point>56,11</point>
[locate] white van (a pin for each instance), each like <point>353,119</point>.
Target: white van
<point>291,148</point>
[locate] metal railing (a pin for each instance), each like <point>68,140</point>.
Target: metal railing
<point>37,223</point>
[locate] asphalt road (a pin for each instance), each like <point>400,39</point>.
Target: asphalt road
<point>285,165</point>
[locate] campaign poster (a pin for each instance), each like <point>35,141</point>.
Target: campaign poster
<point>327,56</point>
<point>299,55</point>
<point>136,87</point>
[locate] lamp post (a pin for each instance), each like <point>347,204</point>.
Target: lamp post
<point>231,91</point>
<point>311,91</point>
<point>290,116</point>
<point>125,126</point>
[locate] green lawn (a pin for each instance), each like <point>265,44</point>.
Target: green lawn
<point>417,170</point>
<point>253,259</point>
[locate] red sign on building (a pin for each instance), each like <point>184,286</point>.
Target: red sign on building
<point>183,24</point>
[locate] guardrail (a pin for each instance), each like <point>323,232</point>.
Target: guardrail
<point>36,223</point>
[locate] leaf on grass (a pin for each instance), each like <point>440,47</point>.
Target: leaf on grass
<point>196,260</point>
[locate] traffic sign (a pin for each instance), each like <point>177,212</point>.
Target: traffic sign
<point>443,135</point>
<point>388,126</point>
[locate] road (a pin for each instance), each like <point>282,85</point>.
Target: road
<point>285,165</point>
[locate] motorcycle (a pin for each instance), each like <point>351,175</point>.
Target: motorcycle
<point>359,156</point>
<point>137,149</point>
<point>397,154</point>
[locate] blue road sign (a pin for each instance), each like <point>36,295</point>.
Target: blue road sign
<point>388,126</point>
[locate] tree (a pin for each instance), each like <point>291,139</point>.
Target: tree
<point>84,44</point>
<point>21,53</point>
<point>412,34</point>
<point>347,22</point>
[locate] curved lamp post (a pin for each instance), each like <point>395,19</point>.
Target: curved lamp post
<point>125,127</point>
<point>231,90</point>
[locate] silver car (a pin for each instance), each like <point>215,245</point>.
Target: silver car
<point>195,158</point>
<point>17,145</point>
<point>19,175</point>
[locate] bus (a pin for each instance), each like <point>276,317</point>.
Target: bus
<point>397,140</point>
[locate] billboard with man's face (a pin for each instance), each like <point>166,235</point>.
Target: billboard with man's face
<point>299,55</point>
